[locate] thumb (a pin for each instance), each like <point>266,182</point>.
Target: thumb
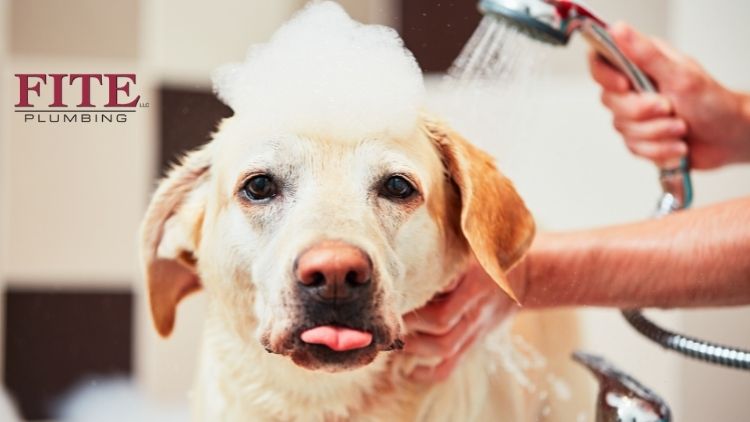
<point>643,51</point>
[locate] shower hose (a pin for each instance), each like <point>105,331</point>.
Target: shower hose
<point>688,346</point>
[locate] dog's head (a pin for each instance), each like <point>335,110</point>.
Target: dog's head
<point>315,246</point>
<point>326,207</point>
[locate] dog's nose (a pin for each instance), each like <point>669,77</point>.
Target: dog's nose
<point>334,270</point>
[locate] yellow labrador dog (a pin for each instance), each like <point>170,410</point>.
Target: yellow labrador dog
<point>311,242</point>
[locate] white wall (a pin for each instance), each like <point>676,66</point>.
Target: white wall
<point>717,37</point>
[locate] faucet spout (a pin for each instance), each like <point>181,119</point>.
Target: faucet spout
<point>621,398</point>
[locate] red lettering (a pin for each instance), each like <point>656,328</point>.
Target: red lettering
<point>57,89</point>
<point>24,88</point>
<point>85,86</point>
<point>114,88</point>
<point>118,88</point>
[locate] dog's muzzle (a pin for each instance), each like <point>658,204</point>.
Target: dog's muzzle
<point>339,320</point>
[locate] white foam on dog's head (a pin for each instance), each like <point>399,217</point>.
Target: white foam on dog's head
<point>324,72</point>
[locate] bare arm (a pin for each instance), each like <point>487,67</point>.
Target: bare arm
<point>699,257</point>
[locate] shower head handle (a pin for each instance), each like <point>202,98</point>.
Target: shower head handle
<point>674,176</point>
<point>553,22</point>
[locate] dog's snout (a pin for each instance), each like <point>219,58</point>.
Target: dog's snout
<point>334,270</point>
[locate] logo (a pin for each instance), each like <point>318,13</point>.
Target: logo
<point>77,97</point>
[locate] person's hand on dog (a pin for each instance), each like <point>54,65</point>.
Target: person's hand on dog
<point>452,321</point>
<point>690,106</point>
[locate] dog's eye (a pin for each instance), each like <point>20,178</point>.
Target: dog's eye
<point>397,187</point>
<point>260,187</point>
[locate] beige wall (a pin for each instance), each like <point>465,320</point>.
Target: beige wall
<point>4,160</point>
<point>76,192</point>
<point>191,38</point>
<point>80,28</point>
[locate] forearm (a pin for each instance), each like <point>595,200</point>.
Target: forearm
<point>699,257</point>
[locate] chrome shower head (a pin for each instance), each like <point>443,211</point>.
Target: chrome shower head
<point>549,21</point>
<point>535,18</point>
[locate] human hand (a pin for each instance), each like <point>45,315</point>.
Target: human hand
<point>452,321</point>
<point>690,106</point>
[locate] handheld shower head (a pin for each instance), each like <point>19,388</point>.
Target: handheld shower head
<point>535,18</point>
<point>549,21</point>
<point>554,22</point>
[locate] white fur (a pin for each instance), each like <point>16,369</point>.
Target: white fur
<point>329,108</point>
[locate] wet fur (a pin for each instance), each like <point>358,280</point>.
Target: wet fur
<point>193,236</point>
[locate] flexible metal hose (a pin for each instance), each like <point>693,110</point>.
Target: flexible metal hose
<point>689,346</point>
<point>678,195</point>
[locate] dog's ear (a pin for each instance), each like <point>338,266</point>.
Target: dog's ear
<point>494,218</point>
<point>170,234</point>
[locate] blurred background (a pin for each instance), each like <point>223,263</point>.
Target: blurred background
<point>72,195</point>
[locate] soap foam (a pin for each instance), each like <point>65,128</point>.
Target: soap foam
<point>324,72</point>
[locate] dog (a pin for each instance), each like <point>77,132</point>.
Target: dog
<point>311,243</point>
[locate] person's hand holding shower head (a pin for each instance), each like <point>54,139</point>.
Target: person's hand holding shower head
<point>690,106</point>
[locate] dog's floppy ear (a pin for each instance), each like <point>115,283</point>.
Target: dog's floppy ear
<point>494,218</point>
<point>170,234</point>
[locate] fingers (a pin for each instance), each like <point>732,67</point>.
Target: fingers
<point>645,120</point>
<point>442,314</point>
<point>482,317</point>
<point>607,76</point>
<point>430,374</point>
<point>653,129</point>
<point>644,51</point>
<point>636,106</point>
<point>658,140</point>
<point>664,152</point>
<point>449,324</point>
<point>443,346</point>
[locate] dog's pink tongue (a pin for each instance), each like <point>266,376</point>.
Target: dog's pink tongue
<point>337,338</point>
